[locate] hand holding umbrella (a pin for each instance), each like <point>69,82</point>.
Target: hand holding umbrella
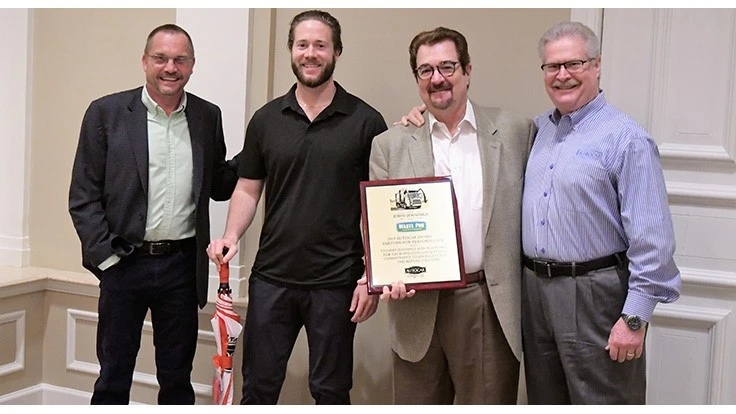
<point>226,326</point>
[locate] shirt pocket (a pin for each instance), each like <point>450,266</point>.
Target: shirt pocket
<point>581,187</point>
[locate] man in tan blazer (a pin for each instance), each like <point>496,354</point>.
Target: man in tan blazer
<point>463,345</point>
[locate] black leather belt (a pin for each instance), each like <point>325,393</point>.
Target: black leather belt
<point>476,277</point>
<point>554,269</point>
<point>163,247</point>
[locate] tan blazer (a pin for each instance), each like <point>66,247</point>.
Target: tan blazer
<point>504,140</point>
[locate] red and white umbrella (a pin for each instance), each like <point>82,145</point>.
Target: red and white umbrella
<point>226,326</point>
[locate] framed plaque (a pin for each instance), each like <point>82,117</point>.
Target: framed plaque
<point>411,233</point>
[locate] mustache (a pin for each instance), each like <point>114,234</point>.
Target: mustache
<point>566,84</point>
<point>444,86</point>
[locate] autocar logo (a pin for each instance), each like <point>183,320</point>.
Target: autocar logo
<point>415,270</point>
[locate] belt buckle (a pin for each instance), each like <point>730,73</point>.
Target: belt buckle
<point>157,248</point>
<point>549,265</point>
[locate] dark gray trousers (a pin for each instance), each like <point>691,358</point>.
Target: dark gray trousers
<point>565,326</point>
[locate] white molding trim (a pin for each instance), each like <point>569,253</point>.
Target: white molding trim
<point>63,286</point>
<point>702,194</point>
<point>18,364</point>
<point>74,315</point>
<point>712,319</point>
<point>708,153</point>
<point>662,32</point>
<point>47,394</point>
<point>730,122</point>
<point>14,251</point>
<point>32,395</point>
<point>714,279</point>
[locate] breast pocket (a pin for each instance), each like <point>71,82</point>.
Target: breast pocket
<point>580,186</point>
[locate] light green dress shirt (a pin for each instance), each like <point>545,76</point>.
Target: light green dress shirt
<point>171,208</point>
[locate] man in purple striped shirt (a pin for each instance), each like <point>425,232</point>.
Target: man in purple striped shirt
<point>597,236</point>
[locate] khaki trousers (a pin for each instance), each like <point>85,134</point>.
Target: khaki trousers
<point>469,360</point>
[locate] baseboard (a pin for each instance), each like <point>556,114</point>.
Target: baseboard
<point>46,394</point>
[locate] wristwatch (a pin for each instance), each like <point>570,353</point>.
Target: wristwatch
<point>633,322</point>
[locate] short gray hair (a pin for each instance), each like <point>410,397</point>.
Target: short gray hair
<point>565,29</point>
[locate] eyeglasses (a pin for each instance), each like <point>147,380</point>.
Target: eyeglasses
<point>446,68</point>
<point>572,66</point>
<point>161,60</point>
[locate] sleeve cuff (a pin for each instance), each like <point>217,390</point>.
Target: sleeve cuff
<point>109,262</point>
<point>639,306</point>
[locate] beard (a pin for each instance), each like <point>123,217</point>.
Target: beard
<point>327,70</point>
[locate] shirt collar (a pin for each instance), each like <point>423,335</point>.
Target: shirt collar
<point>468,118</point>
<point>340,102</point>
<point>581,113</point>
<point>151,105</point>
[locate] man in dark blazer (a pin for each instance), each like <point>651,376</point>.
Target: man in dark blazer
<point>148,161</point>
<point>462,345</point>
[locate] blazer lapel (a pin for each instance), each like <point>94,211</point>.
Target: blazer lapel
<point>197,136</point>
<point>490,153</point>
<point>420,153</point>
<point>137,130</point>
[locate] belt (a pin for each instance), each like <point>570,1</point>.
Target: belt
<point>554,269</point>
<point>473,278</point>
<point>163,247</point>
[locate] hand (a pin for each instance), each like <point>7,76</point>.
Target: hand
<point>397,291</point>
<point>215,251</point>
<point>625,344</point>
<point>364,305</point>
<point>414,117</point>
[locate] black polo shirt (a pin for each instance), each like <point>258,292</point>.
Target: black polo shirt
<point>311,170</point>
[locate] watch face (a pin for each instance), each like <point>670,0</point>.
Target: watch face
<point>634,322</point>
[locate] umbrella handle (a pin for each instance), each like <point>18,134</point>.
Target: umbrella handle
<point>224,276</point>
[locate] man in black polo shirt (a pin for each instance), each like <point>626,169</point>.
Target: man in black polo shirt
<point>310,148</point>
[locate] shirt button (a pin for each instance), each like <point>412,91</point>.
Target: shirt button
<point>543,250</point>
<point>545,194</point>
<point>542,222</point>
<point>551,166</point>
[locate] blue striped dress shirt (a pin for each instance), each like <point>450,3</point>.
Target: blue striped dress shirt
<point>594,186</point>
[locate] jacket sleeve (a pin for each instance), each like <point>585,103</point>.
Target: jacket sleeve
<point>87,193</point>
<point>224,175</point>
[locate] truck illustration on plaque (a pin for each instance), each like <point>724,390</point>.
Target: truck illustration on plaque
<point>409,199</point>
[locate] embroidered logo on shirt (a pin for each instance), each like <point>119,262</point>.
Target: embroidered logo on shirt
<point>590,154</point>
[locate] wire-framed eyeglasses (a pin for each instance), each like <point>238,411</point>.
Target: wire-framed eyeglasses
<point>571,66</point>
<point>161,60</point>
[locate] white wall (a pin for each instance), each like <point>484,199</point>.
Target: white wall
<point>220,75</point>
<point>674,71</point>
<point>14,134</point>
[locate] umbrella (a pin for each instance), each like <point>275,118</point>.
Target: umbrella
<point>226,326</point>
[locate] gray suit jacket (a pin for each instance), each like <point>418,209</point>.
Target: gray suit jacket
<point>504,140</point>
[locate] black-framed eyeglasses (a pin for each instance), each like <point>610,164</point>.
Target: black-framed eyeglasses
<point>446,69</point>
<point>161,60</point>
<point>571,66</point>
